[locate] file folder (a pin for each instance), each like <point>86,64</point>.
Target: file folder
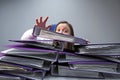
<point>39,32</point>
<point>65,71</point>
<point>29,62</point>
<point>45,55</point>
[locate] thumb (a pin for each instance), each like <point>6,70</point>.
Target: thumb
<point>48,26</point>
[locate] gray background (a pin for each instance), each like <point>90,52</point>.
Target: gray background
<point>95,20</point>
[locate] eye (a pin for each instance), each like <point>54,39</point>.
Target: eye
<point>58,30</point>
<point>66,31</point>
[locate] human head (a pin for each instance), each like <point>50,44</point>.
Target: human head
<point>65,28</point>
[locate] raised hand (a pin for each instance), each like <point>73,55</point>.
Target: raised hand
<point>41,23</point>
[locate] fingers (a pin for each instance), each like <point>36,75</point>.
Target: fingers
<point>40,22</point>
<point>37,22</point>
<point>45,19</point>
<point>41,19</point>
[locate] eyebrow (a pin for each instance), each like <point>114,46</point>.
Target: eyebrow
<point>66,29</point>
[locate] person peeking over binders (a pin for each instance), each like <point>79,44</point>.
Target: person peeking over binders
<point>62,27</point>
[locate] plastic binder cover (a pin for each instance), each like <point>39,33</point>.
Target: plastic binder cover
<point>109,52</point>
<point>7,66</point>
<point>6,77</point>
<point>103,67</point>
<point>58,70</point>
<point>11,72</point>
<point>38,32</point>
<point>100,50</point>
<point>111,76</point>
<point>29,62</point>
<point>45,55</point>
<point>43,44</point>
<point>24,74</point>
<point>77,57</point>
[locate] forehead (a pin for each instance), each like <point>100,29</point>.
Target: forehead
<point>63,25</point>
